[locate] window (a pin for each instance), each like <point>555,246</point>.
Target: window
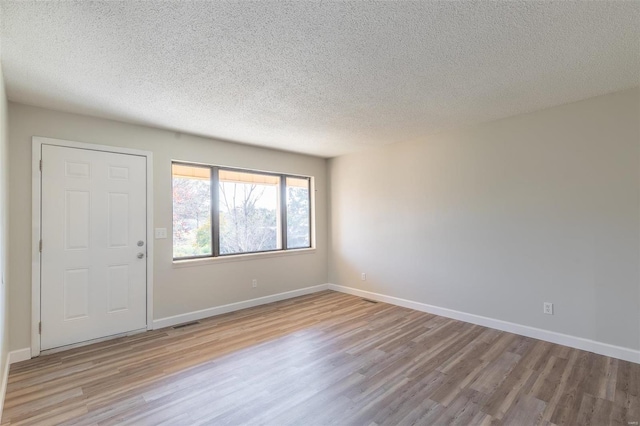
<point>191,211</point>
<point>298,218</point>
<point>249,212</point>
<point>220,211</point>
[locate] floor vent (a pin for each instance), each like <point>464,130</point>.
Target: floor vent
<point>370,301</point>
<point>186,325</point>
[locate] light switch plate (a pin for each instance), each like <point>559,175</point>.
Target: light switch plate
<point>161,233</point>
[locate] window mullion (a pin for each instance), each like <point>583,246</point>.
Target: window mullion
<point>311,199</point>
<point>283,210</point>
<point>215,212</point>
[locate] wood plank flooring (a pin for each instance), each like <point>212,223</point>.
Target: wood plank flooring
<point>326,358</point>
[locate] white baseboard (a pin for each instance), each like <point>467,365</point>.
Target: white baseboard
<point>606,349</point>
<point>19,355</point>
<point>12,357</point>
<point>218,310</point>
<point>3,388</point>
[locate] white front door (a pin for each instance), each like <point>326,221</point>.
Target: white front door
<point>94,263</point>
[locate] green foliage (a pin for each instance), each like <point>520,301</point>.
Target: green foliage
<point>203,238</point>
<point>191,217</point>
<point>248,217</point>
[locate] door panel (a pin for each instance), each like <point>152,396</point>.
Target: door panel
<point>77,217</point>
<point>93,284</point>
<point>76,294</point>
<point>118,288</point>
<point>118,225</point>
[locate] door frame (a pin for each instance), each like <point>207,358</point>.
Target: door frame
<point>36,195</point>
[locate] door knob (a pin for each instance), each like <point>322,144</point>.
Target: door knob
<point>140,243</point>
<point>140,255</point>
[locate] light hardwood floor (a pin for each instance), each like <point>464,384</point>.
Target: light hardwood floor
<point>326,358</point>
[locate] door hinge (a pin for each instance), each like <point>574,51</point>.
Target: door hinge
<point>40,327</point>
<point>40,165</point>
<point>40,246</point>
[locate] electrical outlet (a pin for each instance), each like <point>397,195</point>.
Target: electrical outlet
<point>548,308</point>
<point>254,283</point>
<point>363,277</point>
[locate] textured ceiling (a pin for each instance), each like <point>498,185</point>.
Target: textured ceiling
<point>321,78</point>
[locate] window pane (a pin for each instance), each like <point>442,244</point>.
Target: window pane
<point>191,211</point>
<point>249,212</point>
<point>298,213</point>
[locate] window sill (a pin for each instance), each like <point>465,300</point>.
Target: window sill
<point>188,263</point>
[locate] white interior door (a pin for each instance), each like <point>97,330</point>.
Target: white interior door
<point>94,263</point>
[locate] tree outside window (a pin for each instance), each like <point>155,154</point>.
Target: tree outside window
<point>255,211</point>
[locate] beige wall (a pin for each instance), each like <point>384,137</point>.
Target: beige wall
<point>496,219</point>
<point>4,227</point>
<point>492,220</point>
<point>176,290</point>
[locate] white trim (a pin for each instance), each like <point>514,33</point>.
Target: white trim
<point>12,357</point>
<point>627,354</point>
<point>3,385</point>
<point>37,142</point>
<point>36,155</point>
<point>218,310</point>
<point>19,355</point>
<point>189,263</point>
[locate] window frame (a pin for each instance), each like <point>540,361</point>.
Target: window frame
<point>215,211</point>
